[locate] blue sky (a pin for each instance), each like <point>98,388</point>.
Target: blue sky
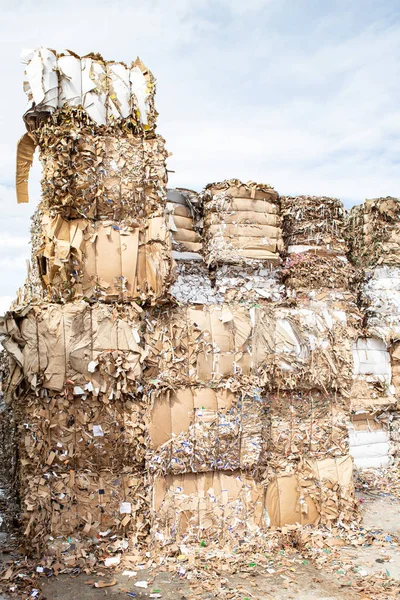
<point>301,94</point>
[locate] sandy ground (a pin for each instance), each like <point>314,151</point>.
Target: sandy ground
<point>307,584</point>
<point>304,582</point>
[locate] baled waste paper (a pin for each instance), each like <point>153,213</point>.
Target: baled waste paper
<point>314,230</point>
<point>186,367</point>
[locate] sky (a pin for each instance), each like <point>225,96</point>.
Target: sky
<point>300,94</point>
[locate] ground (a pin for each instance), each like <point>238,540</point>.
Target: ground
<point>295,578</point>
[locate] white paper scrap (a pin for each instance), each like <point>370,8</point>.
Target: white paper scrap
<point>125,508</point>
<point>98,431</point>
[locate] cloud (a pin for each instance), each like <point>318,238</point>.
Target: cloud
<point>302,95</point>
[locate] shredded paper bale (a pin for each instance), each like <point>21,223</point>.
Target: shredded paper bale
<point>98,175</point>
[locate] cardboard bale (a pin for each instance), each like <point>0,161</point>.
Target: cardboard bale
<point>201,429</point>
<point>74,432</point>
<point>242,223</point>
<point>200,345</point>
<point>213,506</point>
<point>374,232</point>
<point>313,348</point>
<point>228,507</point>
<point>314,231</point>
<point>283,347</point>
<point>108,91</point>
<point>101,176</point>
<point>313,223</point>
<point>91,348</point>
<point>306,425</point>
<point>84,506</point>
<point>105,260</point>
<point>319,492</point>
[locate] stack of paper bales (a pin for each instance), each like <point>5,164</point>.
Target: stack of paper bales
<point>374,234</point>
<point>193,283</point>
<point>104,178</point>
<point>309,388</point>
<point>102,248</point>
<point>249,408</point>
<point>166,385</point>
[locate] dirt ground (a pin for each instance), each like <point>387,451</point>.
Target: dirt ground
<point>302,582</point>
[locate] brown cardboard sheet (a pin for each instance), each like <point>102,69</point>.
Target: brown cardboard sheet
<point>25,150</point>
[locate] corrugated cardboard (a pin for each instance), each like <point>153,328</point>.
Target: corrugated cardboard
<point>79,343</point>
<point>225,507</point>
<point>107,90</point>
<point>201,429</point>
<point>105,260</point>
<point>25,150</point>
<point>241,223</point>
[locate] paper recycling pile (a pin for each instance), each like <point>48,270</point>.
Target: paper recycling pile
<point>374,234</point>
<point>101,247</point>
<point>188,368</point>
